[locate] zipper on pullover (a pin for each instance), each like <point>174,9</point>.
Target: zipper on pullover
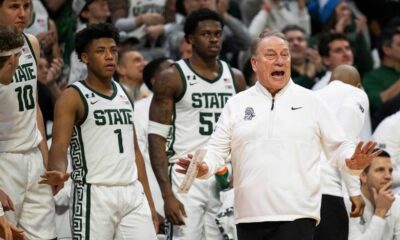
<point>272,105</point>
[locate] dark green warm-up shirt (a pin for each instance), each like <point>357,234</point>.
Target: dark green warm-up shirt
<point>378,81</point>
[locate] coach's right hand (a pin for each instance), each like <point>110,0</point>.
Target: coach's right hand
<point>174,210</point>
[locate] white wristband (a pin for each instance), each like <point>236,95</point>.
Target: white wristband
<point>10,52</point>
<point>160,129</point>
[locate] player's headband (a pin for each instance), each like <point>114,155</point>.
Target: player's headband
<point>10,52</point>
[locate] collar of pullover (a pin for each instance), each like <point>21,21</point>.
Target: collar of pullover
<point>265,92</point>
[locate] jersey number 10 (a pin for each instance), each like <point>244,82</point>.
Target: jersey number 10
<point>25,98</point>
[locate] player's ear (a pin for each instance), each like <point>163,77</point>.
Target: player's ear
<point>84,58</point>
<point>189,39</point>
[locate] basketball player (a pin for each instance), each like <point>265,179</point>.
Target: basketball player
<point>188,99</point>
<point>23,149</point>
<point>11,42</point>
<point>111,197</point>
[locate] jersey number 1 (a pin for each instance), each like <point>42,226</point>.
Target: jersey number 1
<point>119,136</point>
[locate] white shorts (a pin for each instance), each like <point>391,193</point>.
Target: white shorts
<point>201,206</point>
<point>33,202</point>
<point>111,212</point>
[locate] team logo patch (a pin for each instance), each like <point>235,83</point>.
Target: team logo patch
<point>249,113</point>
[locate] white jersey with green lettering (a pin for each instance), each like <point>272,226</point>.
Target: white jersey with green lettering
<point>198,108</point>
<point>102,147</point>
<point>18,125</point>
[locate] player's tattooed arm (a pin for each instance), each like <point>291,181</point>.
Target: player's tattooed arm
<point>167,87</point>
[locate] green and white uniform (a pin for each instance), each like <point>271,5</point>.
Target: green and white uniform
<point>21,162</point>
<point>108,200</point>
<point>195,115</point>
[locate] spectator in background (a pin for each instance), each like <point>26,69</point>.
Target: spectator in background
<point>61,11</point>
<point>89,12</point>
<point>118,9</point>
<point>306,63</point>
<point>48,89</point>
<point>383,84</point>
<point>337,16</point>
<point>276,14</point>
<point>45,30</point>
<point>144,20</point>
<point>381,217</point>
<point>130,72</point>
<point>379,15</point>
<point>249,9</point>
<point>335,50</point>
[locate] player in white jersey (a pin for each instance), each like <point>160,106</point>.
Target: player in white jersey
<point>111,197</point>
<point>11,42</point>
<point>23,150</point>
<point>188,99</point>
<point>349,104</point>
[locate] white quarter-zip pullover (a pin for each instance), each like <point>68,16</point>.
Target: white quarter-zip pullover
<point>275,143</point>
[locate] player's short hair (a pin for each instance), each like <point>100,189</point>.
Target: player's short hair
<point>94,31</point>
<point>386,40</point>
<point>151,69</point>
<point>10,39</point>
<point>382,154</point>
<point>197,16</point>
<point>326,39</point>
